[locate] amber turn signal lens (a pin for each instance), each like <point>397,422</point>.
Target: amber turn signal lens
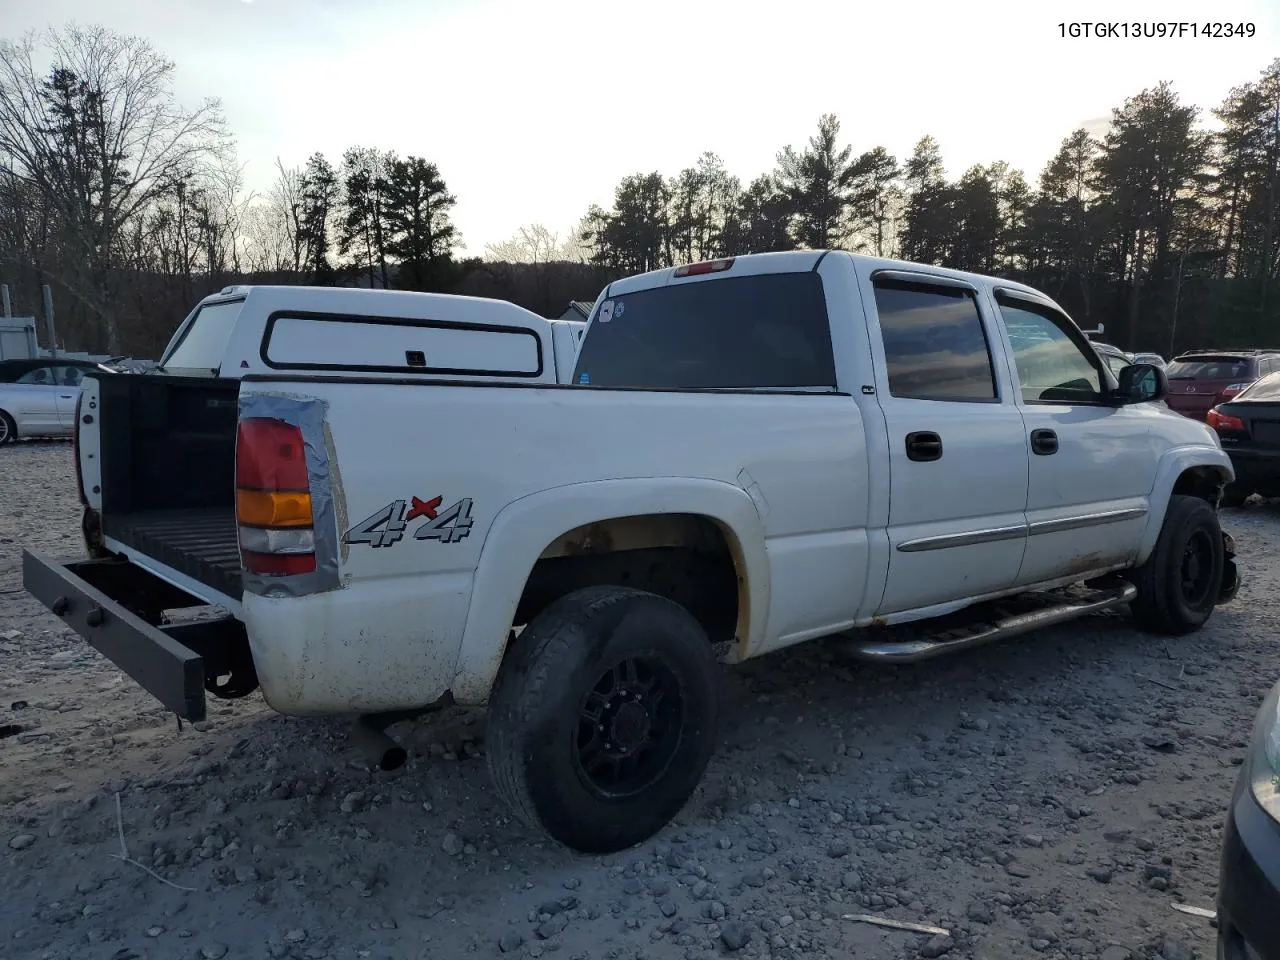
<point>269,508</point>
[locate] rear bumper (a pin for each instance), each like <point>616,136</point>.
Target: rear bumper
<point>118,607</point>
<point>1249,879</point>
<point>1255,469</point>
<point>383,645</point>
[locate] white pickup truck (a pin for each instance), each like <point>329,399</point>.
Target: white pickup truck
<point>402,500</point>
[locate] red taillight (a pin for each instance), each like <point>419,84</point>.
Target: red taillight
<point>1224,421</point>
<point>270,456</point>
<point>273,499</point>
<point>278,564</point>
<point>706,266</point>
<point>75,451</point>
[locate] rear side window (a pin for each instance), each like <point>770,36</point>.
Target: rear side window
<point>203,344</point>
<point>765,330</point>
<point>68,376</point>
<point>934,343</point>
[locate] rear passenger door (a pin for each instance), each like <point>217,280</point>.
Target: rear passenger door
<point>957,448</point>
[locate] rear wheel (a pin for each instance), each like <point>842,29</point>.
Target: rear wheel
<point>8,429</point>
<point>1178,586</point>
<point>604,718</point>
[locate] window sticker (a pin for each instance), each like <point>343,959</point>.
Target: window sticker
<point>606,312</point>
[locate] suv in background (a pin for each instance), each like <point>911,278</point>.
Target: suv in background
<point>1201,379</point>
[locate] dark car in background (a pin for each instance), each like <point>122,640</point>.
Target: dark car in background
<point>1199,380</point>
<point>1249,428</point>
<point>1249,874</point>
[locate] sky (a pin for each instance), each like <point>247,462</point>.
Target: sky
<point>534,110</point>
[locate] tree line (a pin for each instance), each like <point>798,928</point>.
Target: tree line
<point>1168,232</point>
<point>132,207</point>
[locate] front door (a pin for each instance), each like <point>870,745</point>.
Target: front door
<point>38,401</point>
<point>957,448</point>
<point>1091,464</point>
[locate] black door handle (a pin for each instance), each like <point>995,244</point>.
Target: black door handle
<point>1044,442</point>
<point>924,445</point>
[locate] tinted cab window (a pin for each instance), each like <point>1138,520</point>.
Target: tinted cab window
<point>934,344</point>
<point>765,330</point>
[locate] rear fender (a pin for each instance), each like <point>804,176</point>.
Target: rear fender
<point>1172,465</point>
<point>523,529</point>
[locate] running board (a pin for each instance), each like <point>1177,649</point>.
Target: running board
<point>1006,618</point>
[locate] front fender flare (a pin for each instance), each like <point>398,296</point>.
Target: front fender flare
<point>524,528</point>
<point>1172,464</point>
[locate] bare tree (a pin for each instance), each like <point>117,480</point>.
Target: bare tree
<point>286,208</point>
<point>100,137</point>
<point>531,244</point>
<point>536,246</point>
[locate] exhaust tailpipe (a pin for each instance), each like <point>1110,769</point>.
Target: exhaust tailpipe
<point>369,735</point>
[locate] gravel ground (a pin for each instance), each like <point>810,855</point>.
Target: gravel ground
<point>1053,796</point>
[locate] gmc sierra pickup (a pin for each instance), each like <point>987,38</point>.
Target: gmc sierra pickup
<point>395,500</point>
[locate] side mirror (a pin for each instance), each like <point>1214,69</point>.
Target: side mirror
<point>1141,383</point>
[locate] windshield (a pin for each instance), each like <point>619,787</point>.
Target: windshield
<point>762,330</point>
<point>1212,368</point>
<point>202,344</point>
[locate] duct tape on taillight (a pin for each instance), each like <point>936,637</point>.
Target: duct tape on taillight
<point>284,497</point>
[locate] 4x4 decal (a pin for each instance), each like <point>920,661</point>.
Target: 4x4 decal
<point>387,526</point>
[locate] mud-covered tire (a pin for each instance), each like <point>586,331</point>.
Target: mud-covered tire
<point>1178,585</point>
<point>639,664</point>
<point>8,429</point>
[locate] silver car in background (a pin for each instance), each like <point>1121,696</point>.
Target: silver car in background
<point>39,398</point>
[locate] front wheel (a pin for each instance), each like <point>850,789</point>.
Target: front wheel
<point>1178,586</point>
<point>8,429</point>
<point>604,718</point>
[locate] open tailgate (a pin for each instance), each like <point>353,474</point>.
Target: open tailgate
<point>118,607</point>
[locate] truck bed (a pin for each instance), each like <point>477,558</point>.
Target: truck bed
<point>168,470</point>
<point>199,542</point>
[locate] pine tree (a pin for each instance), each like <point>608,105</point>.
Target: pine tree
<point>419,231</point>
<point>819,183</point>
